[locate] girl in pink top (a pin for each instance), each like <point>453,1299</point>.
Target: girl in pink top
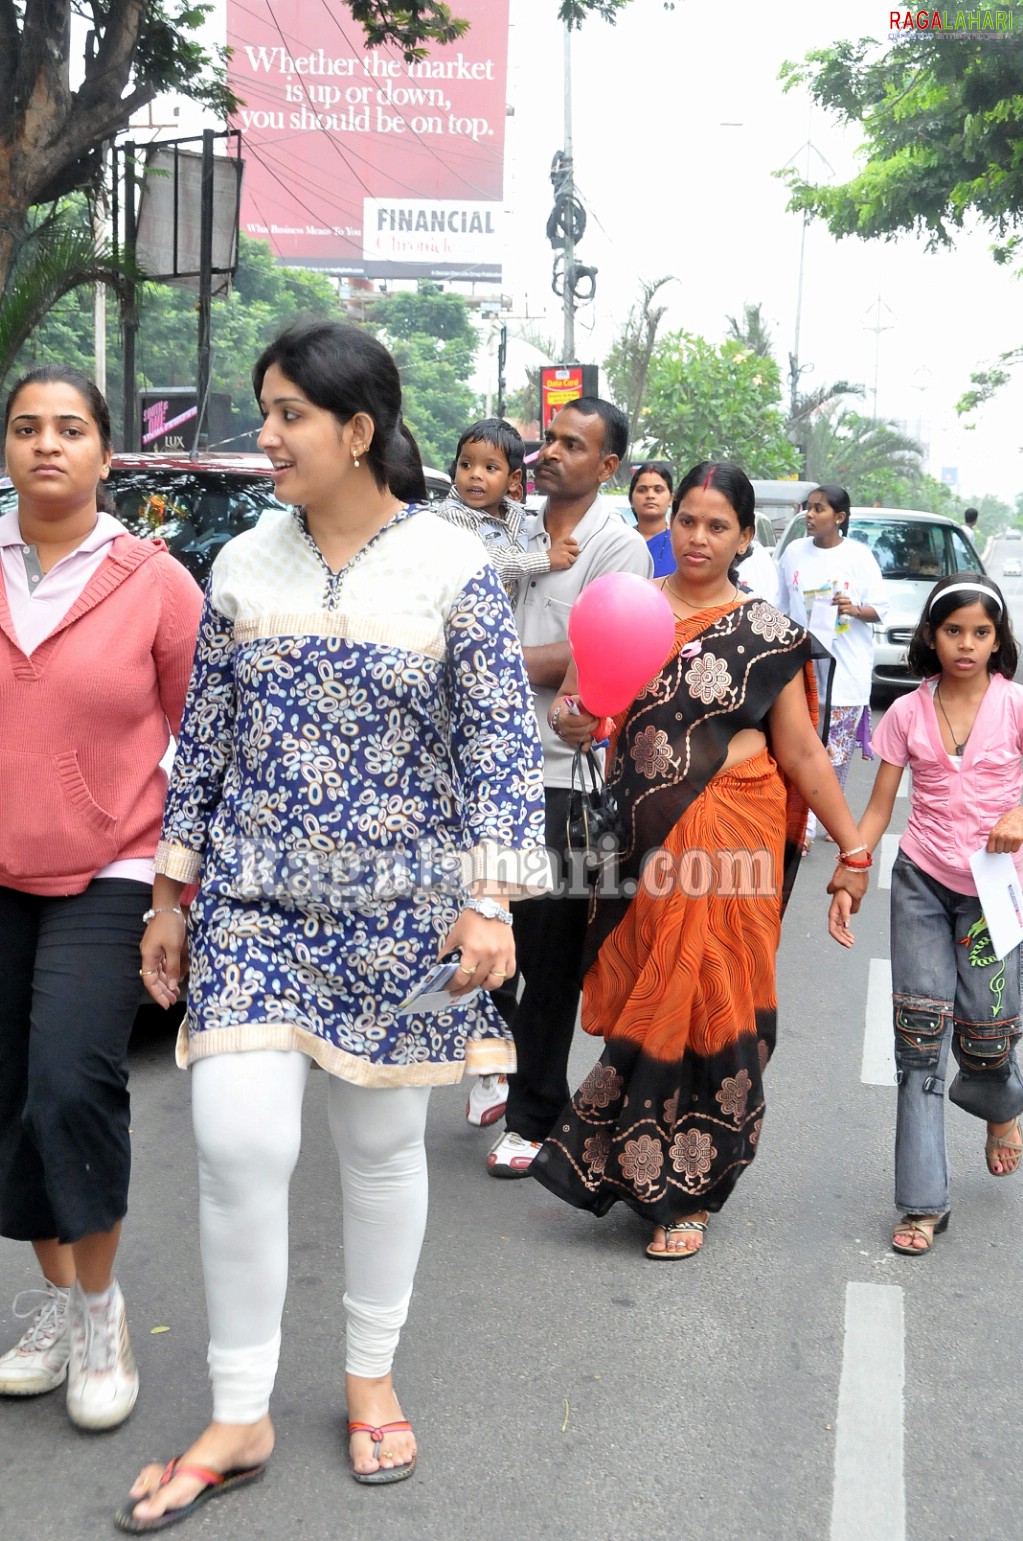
<point>961,733</point>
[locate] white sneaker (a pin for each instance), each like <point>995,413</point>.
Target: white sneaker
<point>511,1156</point>
<point>38,1362</point>
<point>103,1383</point>
<point>488,1098</point>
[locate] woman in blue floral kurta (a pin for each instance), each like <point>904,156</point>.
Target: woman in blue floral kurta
<point>359,755</point>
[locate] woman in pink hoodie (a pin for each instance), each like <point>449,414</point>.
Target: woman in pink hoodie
<point>97,631</point>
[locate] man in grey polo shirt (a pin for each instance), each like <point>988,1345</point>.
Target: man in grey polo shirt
<point>581,449</point>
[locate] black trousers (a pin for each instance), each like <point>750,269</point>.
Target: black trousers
<point>549,935</point>
<point>69,989</point>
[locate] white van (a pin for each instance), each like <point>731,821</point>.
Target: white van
<point>913,551</point>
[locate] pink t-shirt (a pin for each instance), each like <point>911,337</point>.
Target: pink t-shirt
<point>952,811</point>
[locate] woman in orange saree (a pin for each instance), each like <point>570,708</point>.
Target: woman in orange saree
<point>713,766</point>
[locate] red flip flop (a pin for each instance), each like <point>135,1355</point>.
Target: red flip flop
<point>214,1482</point>
<point>376,1433</point>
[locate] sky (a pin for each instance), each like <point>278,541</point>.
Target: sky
<point>679,122</point>
<point>670,189</point>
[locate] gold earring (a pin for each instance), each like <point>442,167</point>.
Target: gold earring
<point>355,457</point>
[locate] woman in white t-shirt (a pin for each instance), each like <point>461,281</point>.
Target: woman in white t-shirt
<point>825,564</point>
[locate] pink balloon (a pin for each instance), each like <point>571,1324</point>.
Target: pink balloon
<point>621,631</point>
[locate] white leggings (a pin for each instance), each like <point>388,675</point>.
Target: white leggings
<point>247,1117</point>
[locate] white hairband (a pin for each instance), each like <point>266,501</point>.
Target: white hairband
<point>974,588</point>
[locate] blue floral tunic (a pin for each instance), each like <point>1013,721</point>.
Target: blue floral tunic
<point>355,749</point>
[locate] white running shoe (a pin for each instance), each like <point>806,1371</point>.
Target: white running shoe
<point>511,1156</point>
<point>103,1383</point>
<point>38,1362</point>
<point>488,1098</point>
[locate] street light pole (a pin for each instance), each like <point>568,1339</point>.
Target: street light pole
<point>568,287</point>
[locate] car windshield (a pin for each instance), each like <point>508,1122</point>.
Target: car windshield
<point>195,512</point>
<point>910,550</point>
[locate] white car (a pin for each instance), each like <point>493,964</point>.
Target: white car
<point>1012,568</point>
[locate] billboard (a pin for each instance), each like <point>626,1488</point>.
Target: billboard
<point>560,385</point>
<point>363,164</point>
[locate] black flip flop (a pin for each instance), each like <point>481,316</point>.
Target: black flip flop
<point>215,1482</point>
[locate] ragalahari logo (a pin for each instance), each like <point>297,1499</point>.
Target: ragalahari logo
<point>982,23</point>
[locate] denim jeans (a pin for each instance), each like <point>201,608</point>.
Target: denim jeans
<point>946,989</point>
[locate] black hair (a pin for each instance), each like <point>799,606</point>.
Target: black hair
<point>616,424</point>
<point>838,498</point>
<point>949,595</point>
<point>734,485</point>
<point>66,374</point>
<point>659,468</point>
<point>499,435</point>
<point>345,370</point>
<point>967,513</point>
<point>407,479</point>
<point>728,479</point>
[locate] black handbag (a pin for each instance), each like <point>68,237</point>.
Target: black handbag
<point>594,824</point>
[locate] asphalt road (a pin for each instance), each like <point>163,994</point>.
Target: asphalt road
<point>796,1382</point>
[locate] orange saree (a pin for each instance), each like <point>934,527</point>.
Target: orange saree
<point>682,979</point>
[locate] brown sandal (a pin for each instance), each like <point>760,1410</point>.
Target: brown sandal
<point>927,1226</point>
<point>1004,1142</point>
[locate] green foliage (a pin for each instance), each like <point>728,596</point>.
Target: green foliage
<point>429,331</point>
<point>715,402</point>
<point>752,331</point>
<point>431,335</point>
<point>264,299</point>
<point>408,25</point>
<point>868,456</point>
<point>941,122</point>
<point>57,255</point>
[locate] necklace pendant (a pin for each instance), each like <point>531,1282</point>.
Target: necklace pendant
<point>959,748</point>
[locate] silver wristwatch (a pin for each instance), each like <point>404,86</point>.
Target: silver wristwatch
<point>489,909</point>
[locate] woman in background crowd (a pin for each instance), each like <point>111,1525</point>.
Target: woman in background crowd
<point>650,499</point>
<point>826,566</point>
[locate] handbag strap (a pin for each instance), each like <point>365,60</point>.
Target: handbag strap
<point>581,758</point>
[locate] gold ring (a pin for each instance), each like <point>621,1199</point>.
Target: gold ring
<point>144,971</point>
<point>497,974</point>
<point>463,970</point>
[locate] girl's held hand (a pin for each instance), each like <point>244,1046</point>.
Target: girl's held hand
<point>1007,834</point>
<point>852,884</point>
<point>488,953</point>
<point>164,951</point>
<point>838,918</point>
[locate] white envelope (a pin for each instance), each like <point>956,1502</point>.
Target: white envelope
<point>1001,898</point>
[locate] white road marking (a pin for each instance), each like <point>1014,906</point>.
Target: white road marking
<point>889,851</point>
<point>869,1498</point>
<point>906,783</point>
<point>878,1065</point>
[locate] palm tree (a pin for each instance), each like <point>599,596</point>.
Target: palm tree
<point>752,331</point>
<point>846,448</point>
<point>57,254</point>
